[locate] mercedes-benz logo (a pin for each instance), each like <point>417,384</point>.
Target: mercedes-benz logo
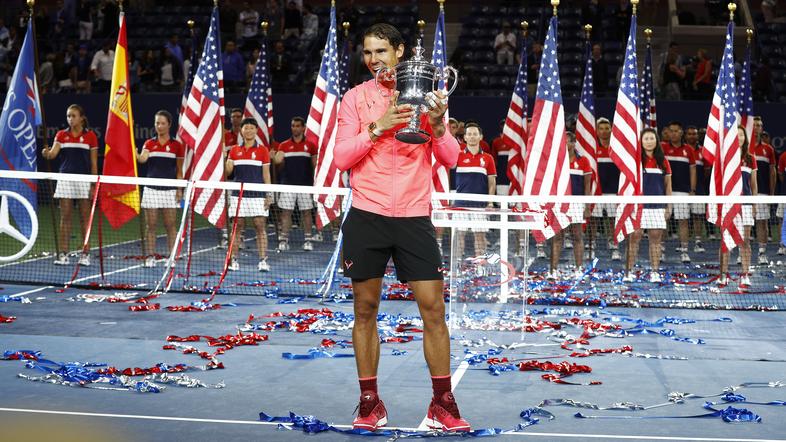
<point>6,228</point>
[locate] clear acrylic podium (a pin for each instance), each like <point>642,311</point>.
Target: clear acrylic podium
<point>490,286</point>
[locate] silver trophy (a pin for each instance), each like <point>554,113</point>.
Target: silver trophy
<point>414,79</point>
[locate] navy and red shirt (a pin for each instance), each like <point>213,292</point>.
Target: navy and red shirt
<point>608,172</point>
<point>655,179</point>
<point>702,172</point>
<point>75,150</point>
<point>579,168</point>
<point>162,159</point>
<point>248,167</point>
<point>747,167</point>
<point>502,152</point>
<point>472,175</point>
<point>681,158</point>
<point>297,169</point>
<point>765,158</point>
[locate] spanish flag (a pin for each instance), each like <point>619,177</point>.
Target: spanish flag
<point>120,202</point>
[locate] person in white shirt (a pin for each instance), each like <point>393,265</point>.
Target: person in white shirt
<point>248,26</point>
<point>101,67</point>
<point>505,45</point>
<point>310,27</point>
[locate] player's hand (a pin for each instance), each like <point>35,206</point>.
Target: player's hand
<point>437,106</point>
<point>178,194</point>
<point>278,157</point>
<point>395,115</point>
<point>230,162</point>
<point>268,202</point>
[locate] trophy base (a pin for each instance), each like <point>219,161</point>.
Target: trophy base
<point>413,136</point>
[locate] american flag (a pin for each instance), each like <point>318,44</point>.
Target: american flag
<point>722,149</point>
<point>546,168</point>
<point>202,127</point>
<point>746,98</point>
<point>586,135</point>
<point>514,134</point>
<point>189,149</point>
<point>648,109</point>
<point>625,149</point>
<point>343,66</point>
<point>259,102</point>
<point>440,175</point>
<point>321,126</point>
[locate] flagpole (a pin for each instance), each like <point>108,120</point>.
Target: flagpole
<point>31,5</point>
<point>592,225</point>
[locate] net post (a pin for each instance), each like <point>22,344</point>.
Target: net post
<point>503,252</point>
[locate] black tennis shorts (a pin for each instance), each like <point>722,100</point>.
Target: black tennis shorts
<point>370,240</point>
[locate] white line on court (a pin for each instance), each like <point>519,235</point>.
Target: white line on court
<point>454,380</point>
<point>241,422</point>
<point>31,291</point>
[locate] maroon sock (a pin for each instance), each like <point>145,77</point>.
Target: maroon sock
<point>368,384</point>
<point>440,385</point>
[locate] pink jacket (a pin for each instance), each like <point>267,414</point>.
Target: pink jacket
<point>388,177</point>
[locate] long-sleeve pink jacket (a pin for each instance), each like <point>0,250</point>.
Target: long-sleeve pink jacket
<point>387,177</point>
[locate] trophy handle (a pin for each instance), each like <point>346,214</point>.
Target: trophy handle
<point>391,74</point>
<point>445,74</point>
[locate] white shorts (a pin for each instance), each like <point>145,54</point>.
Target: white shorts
<point>287,201</point>
<point>503,189</point>
<point>781,210</point>
<point>762,212</point>
<point>76,190</point>
<point>476,218</point>
<point>680,210</point>
<point>747,215</point>
<point>653,219</point>
<point>576,213</point>
<point>609,208</point>
<point>250,207</point>
<point>159,199</point>
<point>698,209</point>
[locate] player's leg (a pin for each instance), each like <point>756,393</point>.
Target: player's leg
<point>151,222</point>
<point>170,224</point>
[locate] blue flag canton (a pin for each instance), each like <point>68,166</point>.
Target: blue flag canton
<point>328,69</point>
<point>587,88</point>
<point>438,55</point>
<point>210,67</point>
<point>260,83</point>
<point>746,98</point>
<point>726,87</point>
<point>343,67</point>
<point>629,81</point>
<point>549,87</point>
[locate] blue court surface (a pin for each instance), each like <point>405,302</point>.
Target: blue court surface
<point>633,358</point>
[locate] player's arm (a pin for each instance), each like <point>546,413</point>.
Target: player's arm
<point>754,183</point>
<point>267,180</point>
<point>667,192</point>
<point>52,151</point>
<point>492,179</point>
<point>773,174</point>
<point>588,183</point>
<point>94,160</point>
<point>229,166</point>
<point>143,155</point>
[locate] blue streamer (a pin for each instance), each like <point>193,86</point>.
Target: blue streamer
<point>729,414</point>
<point>312,425</point>
<point>315,353</point>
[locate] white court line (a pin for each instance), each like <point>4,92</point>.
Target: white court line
<point>454,380</point>
<point>125,269</point>
<point>75,251</point>
<point>31,291</point>
<point>239,422</point>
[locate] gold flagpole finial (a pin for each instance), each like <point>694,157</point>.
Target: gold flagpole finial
<point>346,26</point>
<point>215,3</point>
<point>264,25</point>
<point>31,5</point>
<point>441,5</point>
<point>648,34</point>
<point>332,3</point>
<point>524,27</point>
<point>749,33</point>
<point>635,4</point>
<point>421,27</point>
<point>588,31</point>
<point>120,5</point>
<point>732,7</point>
<point>190,24</point>
<point>554,4</point>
